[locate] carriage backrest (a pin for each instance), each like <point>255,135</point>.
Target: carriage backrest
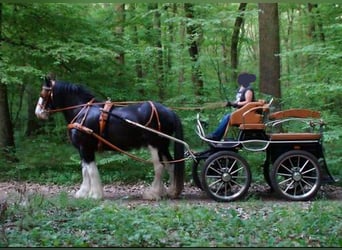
<point>295,113</point>
<point>294,120</point>
<point>251,113</point>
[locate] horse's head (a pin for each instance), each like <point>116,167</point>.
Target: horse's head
<point>45,100</point>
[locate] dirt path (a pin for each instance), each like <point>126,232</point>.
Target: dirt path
<point>12,191</point>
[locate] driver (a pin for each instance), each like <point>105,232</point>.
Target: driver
<point>244,95</point>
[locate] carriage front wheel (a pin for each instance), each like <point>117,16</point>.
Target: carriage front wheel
<point>296,175</point>
<point>226,176</point>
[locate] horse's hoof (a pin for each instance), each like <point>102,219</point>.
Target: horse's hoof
<point>96,195</point>
<point>81,194</point>
<point>152,195</point>
<point>173,194</point>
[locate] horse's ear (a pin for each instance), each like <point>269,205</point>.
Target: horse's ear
<point>46,81</point>
<point>49,78</point>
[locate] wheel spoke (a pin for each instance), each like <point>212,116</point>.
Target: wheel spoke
<point>223,165</point>
<point>235,171</point>
<point>225,189</point>
<point>291,163</point>
<point>288,186</point>
<point>231,167</point>
<point>310,177</point>
<point>285,175</point>
<point>236,183</point>
<point>219,188</point>
<point>214,176</point>
<point>215,170</point>
<point>288,170</point>
<point>304,165</point>
<point>309,170</point>
<point>240,177</point>
<point>214,183</point>
<point>307,183</point>
<point>285,180</point>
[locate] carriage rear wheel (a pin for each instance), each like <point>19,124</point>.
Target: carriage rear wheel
<point>226,176</point>
<point>296,175</point>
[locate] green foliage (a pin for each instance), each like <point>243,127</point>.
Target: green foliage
<point>80,44</point>
<point>66,222</point>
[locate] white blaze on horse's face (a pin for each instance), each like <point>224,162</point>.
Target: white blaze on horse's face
<point>40,112</point>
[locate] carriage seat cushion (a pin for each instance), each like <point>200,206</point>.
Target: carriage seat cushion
<point>254,126</point>
<point>294,136</point>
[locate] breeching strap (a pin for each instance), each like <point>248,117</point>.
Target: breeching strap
<point>100,138</point>
<point>102,124</point>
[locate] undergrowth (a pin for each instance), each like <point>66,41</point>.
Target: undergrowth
<point>66,222</point>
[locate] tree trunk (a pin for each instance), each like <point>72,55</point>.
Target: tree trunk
<point>33,123</point>
<point>235,41</point>
<point>138,64</point>
<point>269,46</point>
<point>6,129</point>
<point>159,63</point>
<point>181,73</point>
<point>119,33</point>
<point>194,33</point>
<point>315,19</point>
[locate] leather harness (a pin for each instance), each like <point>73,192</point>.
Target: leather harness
<point>103,118</point>
<point>103,121</point>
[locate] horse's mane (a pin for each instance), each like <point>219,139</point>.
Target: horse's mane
<point>73,89</point>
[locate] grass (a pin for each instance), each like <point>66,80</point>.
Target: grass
<point>62,221</point>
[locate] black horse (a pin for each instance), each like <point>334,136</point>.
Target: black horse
<point>83,114</point>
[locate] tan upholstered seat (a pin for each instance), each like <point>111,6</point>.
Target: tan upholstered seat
<point>250,116</point>
<point>294,136</point>
<point>295,113</point>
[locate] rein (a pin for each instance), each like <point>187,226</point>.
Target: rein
<point>100,138</point>
<point>213,105</point>
<point>91,103</point>
<point>102,120</point>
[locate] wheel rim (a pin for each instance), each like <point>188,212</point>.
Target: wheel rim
<point>297,177</point>
<point>226,178</point>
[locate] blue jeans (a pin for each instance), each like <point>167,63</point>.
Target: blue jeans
<point>219,132</point>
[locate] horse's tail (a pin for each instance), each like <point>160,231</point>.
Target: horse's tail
<point>179,166</point>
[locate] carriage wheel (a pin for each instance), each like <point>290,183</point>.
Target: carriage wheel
<point>296,175</point>
<point>196,172</point>
<point>226,176</point>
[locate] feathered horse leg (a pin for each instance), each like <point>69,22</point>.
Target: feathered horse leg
<point>157,189</point>
<point>91,186</point>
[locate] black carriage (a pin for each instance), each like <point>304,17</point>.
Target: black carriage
<point>294,166</point>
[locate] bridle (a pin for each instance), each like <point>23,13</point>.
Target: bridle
<point>47,95</point>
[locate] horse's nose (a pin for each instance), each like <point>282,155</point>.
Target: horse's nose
<point>40,112</point>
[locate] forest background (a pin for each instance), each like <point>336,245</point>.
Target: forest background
<point>186,56</point>
<point>182,55</point>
